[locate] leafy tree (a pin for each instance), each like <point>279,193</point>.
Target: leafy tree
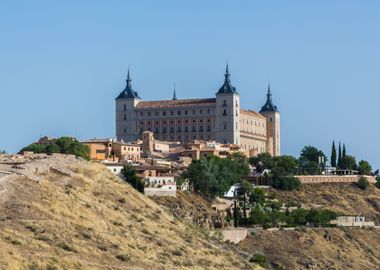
<point>213,176</point>
<point>377,181</point>
<point>320,217</point>
<point>298,216</point>
<point>63,145</point>
<point>364,167</point>
<point>333,155</point>
<point>312,154</point>
<point>288,182</point>
<point>309,167</point>
<point>132,178</point>
<point>363,183</point>
<point>258,216</point>
<point>257,196</point>
<point>2,152</point>
<point>262,161</point>
<point>348,163</point>
<point>287,164</point>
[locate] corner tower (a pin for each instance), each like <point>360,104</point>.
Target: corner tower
<point>126,125</point>
<point>271,113</point>
<point>227,113</point>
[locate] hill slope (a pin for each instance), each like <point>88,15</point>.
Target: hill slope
<point>60,212</point>
<point>333,248</point>
<point>345,198</point>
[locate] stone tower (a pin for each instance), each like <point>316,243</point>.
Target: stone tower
<point>126,125</point>
<point>227,113</point>
<point>271,113</point>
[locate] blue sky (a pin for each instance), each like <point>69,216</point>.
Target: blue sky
<point>63,63</point>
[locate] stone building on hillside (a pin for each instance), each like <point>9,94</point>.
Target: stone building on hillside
<point>218,119</point>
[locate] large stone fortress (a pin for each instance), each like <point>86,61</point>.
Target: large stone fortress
<point>183,120</point>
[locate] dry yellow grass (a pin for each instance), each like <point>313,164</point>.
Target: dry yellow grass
<point>334,248</point>
<point>93,220</point>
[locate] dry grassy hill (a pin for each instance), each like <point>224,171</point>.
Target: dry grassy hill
<point>64,213</point>
<point>334,248</point>
<point>345,198</point>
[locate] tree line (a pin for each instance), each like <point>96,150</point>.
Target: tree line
<point>63,145</point>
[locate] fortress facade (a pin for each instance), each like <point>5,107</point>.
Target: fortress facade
<point>218,119</point>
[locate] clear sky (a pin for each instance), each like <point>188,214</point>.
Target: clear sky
<point>62,63</point>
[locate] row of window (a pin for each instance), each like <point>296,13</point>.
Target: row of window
<point>173,112</point>
<point>246,121</point>
<point>172,122</point>
<point>179,129</point>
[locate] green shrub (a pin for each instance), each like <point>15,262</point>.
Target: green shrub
<point>123,257</point>
<point>260,259</point>
<point>363,183</point>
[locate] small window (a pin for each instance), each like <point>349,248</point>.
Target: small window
<point>171,113</point>
<point>179,112</point>
<point>164,113</point>
<point>142,114</point>
<point>125,117</point>
<point>125,107</point>
<point>225,126</point>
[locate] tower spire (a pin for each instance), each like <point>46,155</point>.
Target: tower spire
<point>129,84</point>
<point>269,93</point>
<point>227,74</point>
<point>174,94</point>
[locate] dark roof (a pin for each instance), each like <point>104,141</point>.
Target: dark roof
<point>269,106</point>
<point>227,87</point>
<point>128,92</point>
<point>174,103</point>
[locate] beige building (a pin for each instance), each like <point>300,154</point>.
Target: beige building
<point>218,119</point>
<point>108,149</point>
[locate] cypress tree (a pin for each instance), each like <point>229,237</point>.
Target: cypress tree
<point>333,155</point>
<point>344,154</point>
<point>236,217</point>
<point>340,157</point>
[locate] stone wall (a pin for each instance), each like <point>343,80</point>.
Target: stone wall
<point>235,235</point>
<point>309,179</point>
<point>159,192</point>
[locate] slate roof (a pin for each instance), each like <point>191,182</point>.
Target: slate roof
<point>269,106</point>
<point>227,87</point>
<point>175,103</point>
<point>128,92</point>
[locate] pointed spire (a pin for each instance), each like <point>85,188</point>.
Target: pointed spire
<point>269,106</point>
<point>128,92</point>
<point>227,74</point>
<point>129,84</point>
<point>174,95</point>
<point>269,94</point>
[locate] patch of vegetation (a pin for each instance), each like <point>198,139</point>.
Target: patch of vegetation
<point>363,183</point>
<point>260,259</point>
<point>66,247</point>
<point>63,145</point>
<point>131,177</point>
<point>123,257</point>
<point>212,176</point>
<point>177,252</point>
